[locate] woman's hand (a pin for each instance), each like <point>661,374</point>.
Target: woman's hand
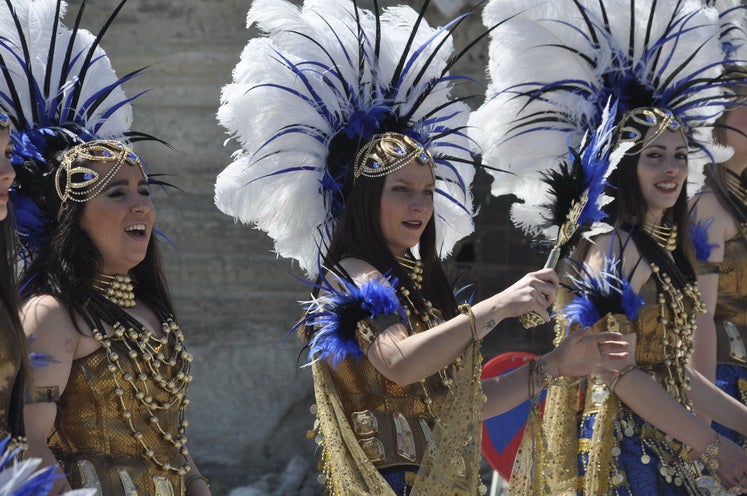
<point>532,293</point>
<point>583,353</point>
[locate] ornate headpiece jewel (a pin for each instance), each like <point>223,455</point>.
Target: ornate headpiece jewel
<point>649,117</point>
<point>389,152</point>
<point>79,183</point>
<point>4,121</point>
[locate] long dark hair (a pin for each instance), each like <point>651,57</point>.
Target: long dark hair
<point>358,234</point>
<point>9,283</point>
<point>68,263</point>
<point>11,307</point>
<point>629,207</point>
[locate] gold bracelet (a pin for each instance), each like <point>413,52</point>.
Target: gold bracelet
<point>709,456</point>
<point>467,308</point>
<point>624,371</point>
<point>544,378</point>
<point>533,402</point>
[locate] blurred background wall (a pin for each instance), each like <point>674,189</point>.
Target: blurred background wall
<point>236,301</point>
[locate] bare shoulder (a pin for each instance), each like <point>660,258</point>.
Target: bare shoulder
<point>705,205</point>
<point>359,270</point>
<point>44,314</point>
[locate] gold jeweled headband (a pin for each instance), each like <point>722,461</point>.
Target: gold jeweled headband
<point>4,121</point>
<point>651,117</point>
<point>389,152</point>
<point>78,183</point>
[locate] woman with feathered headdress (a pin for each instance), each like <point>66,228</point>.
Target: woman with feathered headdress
<point>658,64</point>
<point>356,163</point>
<point>719,214</point>
<point>106,407</point>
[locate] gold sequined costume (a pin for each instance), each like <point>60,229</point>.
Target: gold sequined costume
<point>589,442</point>
<point>365,423</point>
<point>731,307</point>
<point>730,317</point>
<point>96,445</point>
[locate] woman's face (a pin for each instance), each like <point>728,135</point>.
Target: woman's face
<point>406,206</point>
<point>7,174</point>
<point>120,219</point>
<point>737,118</point>
<point>662,172</point>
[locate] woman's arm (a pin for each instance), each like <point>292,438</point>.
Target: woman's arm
<point>407,359</point>
<point>580,354</point>
<point>649,400</point>
<point>51,333</point>
<point>712,402</point>
<point>194,482</point>
<point>708,209</point>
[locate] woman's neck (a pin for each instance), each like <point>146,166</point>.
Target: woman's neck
<point>654,217</point>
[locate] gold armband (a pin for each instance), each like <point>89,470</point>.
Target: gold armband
<point>368,329</point>
<point>45,394</point>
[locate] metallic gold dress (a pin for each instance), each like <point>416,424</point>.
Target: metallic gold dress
<point>377,435</point>
<point>103,431</point>
<point>731,326</point>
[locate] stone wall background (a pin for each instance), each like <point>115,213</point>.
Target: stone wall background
<point>236,300</point>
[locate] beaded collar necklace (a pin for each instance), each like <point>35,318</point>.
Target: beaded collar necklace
<point>118,289</point>
<point>664,236</point>
<point>415,269</point>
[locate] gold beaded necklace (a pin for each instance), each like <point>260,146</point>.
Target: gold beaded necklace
<point>678,333</point>
<point>422,322</point>
<point>665,236</point>
<point>415,270</point>
<point>118,289</point>
<point>149,357</point>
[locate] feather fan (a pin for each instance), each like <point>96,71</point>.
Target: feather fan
<point>599,293</point>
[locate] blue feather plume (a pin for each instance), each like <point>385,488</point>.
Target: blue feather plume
<point>699,235</point>
<point>336,313</point>
<point>587,174</point>
<point>599,293</point>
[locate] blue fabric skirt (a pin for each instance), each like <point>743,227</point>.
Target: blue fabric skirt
<point>649,465</point>
<point>398,480</point>
<point>727,379</point>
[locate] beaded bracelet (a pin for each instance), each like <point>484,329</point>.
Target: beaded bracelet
<point>709,456</point>
<point>539,378</point>
<point>467,309</point>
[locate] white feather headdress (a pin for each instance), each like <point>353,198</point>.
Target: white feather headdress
<point>555,64</point>
<point>58,88</point>
<point>55,76</point>
<point>315,87</point>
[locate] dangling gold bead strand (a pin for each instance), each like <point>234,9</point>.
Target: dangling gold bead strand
<point>415,269</point>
